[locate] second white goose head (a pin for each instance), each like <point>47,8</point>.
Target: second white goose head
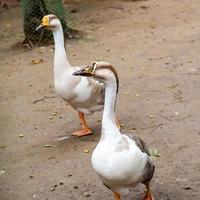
<point>50,22</point>
<point>101,71</point>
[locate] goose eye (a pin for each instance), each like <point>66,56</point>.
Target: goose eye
<point>87,69</point>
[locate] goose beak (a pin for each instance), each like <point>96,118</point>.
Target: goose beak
<point>83,72</point>
<point>39,27</point>
<point>45,23</point>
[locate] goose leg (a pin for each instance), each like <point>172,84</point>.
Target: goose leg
<point>148,195</point>
<point>85,129</point>
<point>117,196</point>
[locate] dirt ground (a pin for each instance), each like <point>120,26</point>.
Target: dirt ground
<point>155,47</point>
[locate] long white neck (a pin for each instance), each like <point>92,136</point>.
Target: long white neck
<point>61,62</point>
<point>109,128</point>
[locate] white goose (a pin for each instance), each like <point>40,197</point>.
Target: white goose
<point>83,94</point>
<point>121,161</point>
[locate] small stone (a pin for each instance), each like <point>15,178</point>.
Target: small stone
<point>133,129</point>
<point>21,135</point>
<point>151,116</point>
<point>2,172</point>
<point>76,187</point>
<point>86,151</point>
<point>86,194</point>
<point>187,188</point>
<point>121,125</point>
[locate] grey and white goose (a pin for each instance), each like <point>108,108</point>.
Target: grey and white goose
<point>120,160</point>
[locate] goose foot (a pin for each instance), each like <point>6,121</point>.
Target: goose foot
<point>117,196</point>
<point>83,132</point>
<point>148,195</point>
<point>86,130</point>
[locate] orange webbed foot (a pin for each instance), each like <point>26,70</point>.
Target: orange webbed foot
<point>117,196</point>
<point>148,195</point>
<point>82,132</point>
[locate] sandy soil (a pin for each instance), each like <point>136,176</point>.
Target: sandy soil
<point>155,47</point>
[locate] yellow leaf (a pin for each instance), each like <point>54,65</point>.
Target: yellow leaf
<point>86,151</point>
<point>37,61</point>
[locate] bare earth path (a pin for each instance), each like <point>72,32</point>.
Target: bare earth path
<point>155,46</point>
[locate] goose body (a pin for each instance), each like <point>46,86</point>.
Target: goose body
<point>75,93</point>
<point>84,94</point>
<point>120,160</point>
<point>125,163</point>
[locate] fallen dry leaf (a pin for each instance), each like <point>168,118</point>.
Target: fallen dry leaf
<point>37,61</point>
<point>121,125</point>
<point>48,145</point>
<point>21,135</point>
<point>154,152</point>
<point>86,151</point>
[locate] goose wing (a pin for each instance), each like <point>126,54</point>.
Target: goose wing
<point>149,167</point>
<point>140,143</point>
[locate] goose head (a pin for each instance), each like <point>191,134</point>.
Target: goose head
<point>102,71</point>
<point>50,22</point>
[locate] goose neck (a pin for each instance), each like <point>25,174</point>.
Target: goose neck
<point>109,128</point>
<point>60,56</point>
